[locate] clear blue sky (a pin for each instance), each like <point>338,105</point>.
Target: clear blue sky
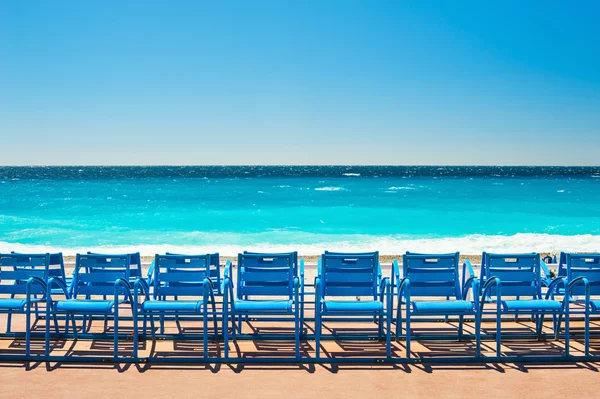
<point>299,82</point>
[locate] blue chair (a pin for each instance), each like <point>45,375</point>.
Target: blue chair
<point>583,277</point>
<point>94,276</point>
<point>23,279</point>
<point>352,275</point>
<point>266,285</point>
<point>56,268</point>
<point>298,271</point>
<point>435,279</point>
<point>518,276</point>
<point>176,276</point>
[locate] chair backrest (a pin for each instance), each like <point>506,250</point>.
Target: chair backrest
<point>264,274</point>
<point>294,256</point>
<point>584,265</point>
<point>135,267</point>
<point>214,268</point>
<point>16,269</point>
<point>180,275</point>
<point>562,265</point>
<point>95,274</point>
<point>56,266</point>
<point>520,274</point>
<point>349,274</point>
<point>432,275</point>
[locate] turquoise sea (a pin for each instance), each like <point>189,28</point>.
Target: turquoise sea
<point>306,208</point>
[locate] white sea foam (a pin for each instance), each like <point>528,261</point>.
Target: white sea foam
<point>351,174</point>
<point>396,188</point>
<point>314,244</point>
<point>560,191</point>
<point>329,189</point>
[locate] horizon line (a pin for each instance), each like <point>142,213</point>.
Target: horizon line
<point>294,165</point>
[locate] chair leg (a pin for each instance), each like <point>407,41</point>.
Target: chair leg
<point>380,326</point>
<point>28,330</point>
<point>8,322</point>
<point>388,335</point>
<point>318,327</point>
<point>460,327</point>
<point>226,331</point>
<point>74,327</point>
<point>135,333</point>
<point>297,334</point>
<point>408,334</point>
<point>539,324</point>
<point>498,332</point>
<point>116,335</point>
<point>567,333</point>
<point>398,322</point>
<point>586,332</point>
<point>47,335</point>
<point>477,335</point>
<point>55,318</point>
<point>162,322</point>
<point>205,328</point>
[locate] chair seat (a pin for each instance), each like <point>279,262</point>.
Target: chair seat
<point>263,306</point>
<point>172,306</point>
<point>368,307</point>
<point>442,307</point>
<point>595,305</point>
<point>84,306</point>
<point>12,303</point>
<point>531,305</point>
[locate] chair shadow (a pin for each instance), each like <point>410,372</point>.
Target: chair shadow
<point>271,349</point>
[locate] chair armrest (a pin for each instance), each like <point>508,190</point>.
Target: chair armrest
<point>227,269</point>
<point>302,278</point>
<point>150,274</point>
<point>209,290</point>
<point>37,281</point>
<point>143,285</point>
<point>384,288</point>
<point>404,287</point>
<point>319,266</point>
<point>228,291</point>
<point>61,284</point>
<point>553,286</point>
<point>395,272</point>
<point>474,284</point>
<point>318,294</point>
<point>547,279</point>
<point>491,282</point>
<point>578,281</point>
<point>121,282</point>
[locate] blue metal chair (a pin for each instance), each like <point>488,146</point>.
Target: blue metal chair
<point>23,279</point>
<point>176,276</point>
<point>266,285</point>
<point>94,276</point>
<point>352,275</point>
<point>436,276</point>
<point>298,271</point>
<point>583,277</point>
<point>517,276</point>
<point>56,268</point>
